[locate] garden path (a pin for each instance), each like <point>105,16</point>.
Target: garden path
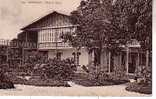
<point>75,90</point>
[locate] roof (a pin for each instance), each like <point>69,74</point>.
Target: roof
<point>40,18</point>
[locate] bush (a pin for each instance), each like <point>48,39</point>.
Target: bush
<point>5,82</point>
<point>144,81</point>
<point>56,69</point>
<point>103,77</point>
<point>145,73</point>
<point>140,88</point>
<point>47,82</point>
<point>114,78</point>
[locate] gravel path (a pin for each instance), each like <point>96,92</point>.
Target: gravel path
<point>75,90</point>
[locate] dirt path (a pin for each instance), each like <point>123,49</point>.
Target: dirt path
<point>76,90</point>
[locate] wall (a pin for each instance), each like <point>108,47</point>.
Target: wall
<point>51,54</point>
<point>67,53</point>
<point>104,60</point>
<point>84,57</point>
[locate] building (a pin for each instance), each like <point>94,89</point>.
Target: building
<point>46,32</point>
<point>129,59</point>
<point>3,50</point>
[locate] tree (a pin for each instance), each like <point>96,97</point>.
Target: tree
<point>94,30</point>
<point>135,18</point>
<point>111,23</point>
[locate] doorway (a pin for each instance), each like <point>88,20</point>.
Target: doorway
<point>132,63</point>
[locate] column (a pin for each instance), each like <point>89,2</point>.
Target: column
<point>138,59</point>
<point>7,54</point>
<point>26,39</point>
<point>121,60</point>
<point>147,58</point>
<point>127,60</point>
<point>109,62</point>
<point>93,56</point>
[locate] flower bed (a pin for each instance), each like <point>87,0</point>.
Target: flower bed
<point>84,80</point>
<point>140,88</point>
<point>47,82</point>
<point>37,81</point>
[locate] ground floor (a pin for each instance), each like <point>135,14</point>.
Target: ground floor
<point>81,57</point>
<point>75,90</point>
<point>128,59</point>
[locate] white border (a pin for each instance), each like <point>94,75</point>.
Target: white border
<point>154,74</point>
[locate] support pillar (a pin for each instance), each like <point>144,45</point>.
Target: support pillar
<point>127,60</point>
<point>109,62</point>
<point>7,54</point>
<point>147,58</point>
<point>120,60</point>
<point>93,56</point>
<point>138,59</point>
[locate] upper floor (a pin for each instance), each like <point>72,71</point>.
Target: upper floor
<point>47,30</point>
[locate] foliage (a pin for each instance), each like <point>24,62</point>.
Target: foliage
<point>108,23</point>
<point>56,69</point>
<point>141,88</point>
<point>144,73</point>
<point>100,79</point>
<point>5,82</point>
<point>134,18</point>
<point>144,81</point>
<point>115,76</point>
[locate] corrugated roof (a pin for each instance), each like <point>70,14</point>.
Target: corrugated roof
<point>48,13</point>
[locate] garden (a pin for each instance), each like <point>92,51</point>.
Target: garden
<point>143,81</point>
<point>38,70</point>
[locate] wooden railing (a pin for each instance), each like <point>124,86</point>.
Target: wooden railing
<point>4,42</point>
<point>53,45</point>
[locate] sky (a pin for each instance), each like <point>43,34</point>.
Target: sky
<point>15,14</point>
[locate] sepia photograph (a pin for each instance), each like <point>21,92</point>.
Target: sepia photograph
<point>76,48</point>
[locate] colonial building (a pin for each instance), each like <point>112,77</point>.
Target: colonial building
<point>46,32</point>
<point>129,59</point>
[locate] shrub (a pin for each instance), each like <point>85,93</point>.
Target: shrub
<point>141,88</point>
<point>5,82</point>
<point>116,77</point>
<point>145,73</point>
<point>144,81</point>
<point>56,69</point>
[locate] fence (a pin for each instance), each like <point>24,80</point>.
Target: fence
<point>4,42</point>
<point>13,52</point>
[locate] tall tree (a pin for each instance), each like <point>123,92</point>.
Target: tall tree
<point>93,31</point>
<point>134,17</point>
<point>111,23</point>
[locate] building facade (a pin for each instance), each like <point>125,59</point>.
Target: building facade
<point>129,59</point>
<point>46,32</point>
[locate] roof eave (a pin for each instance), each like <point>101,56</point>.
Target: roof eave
<point>38,19</point>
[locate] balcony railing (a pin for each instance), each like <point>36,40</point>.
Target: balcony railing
<point>53,45</point>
